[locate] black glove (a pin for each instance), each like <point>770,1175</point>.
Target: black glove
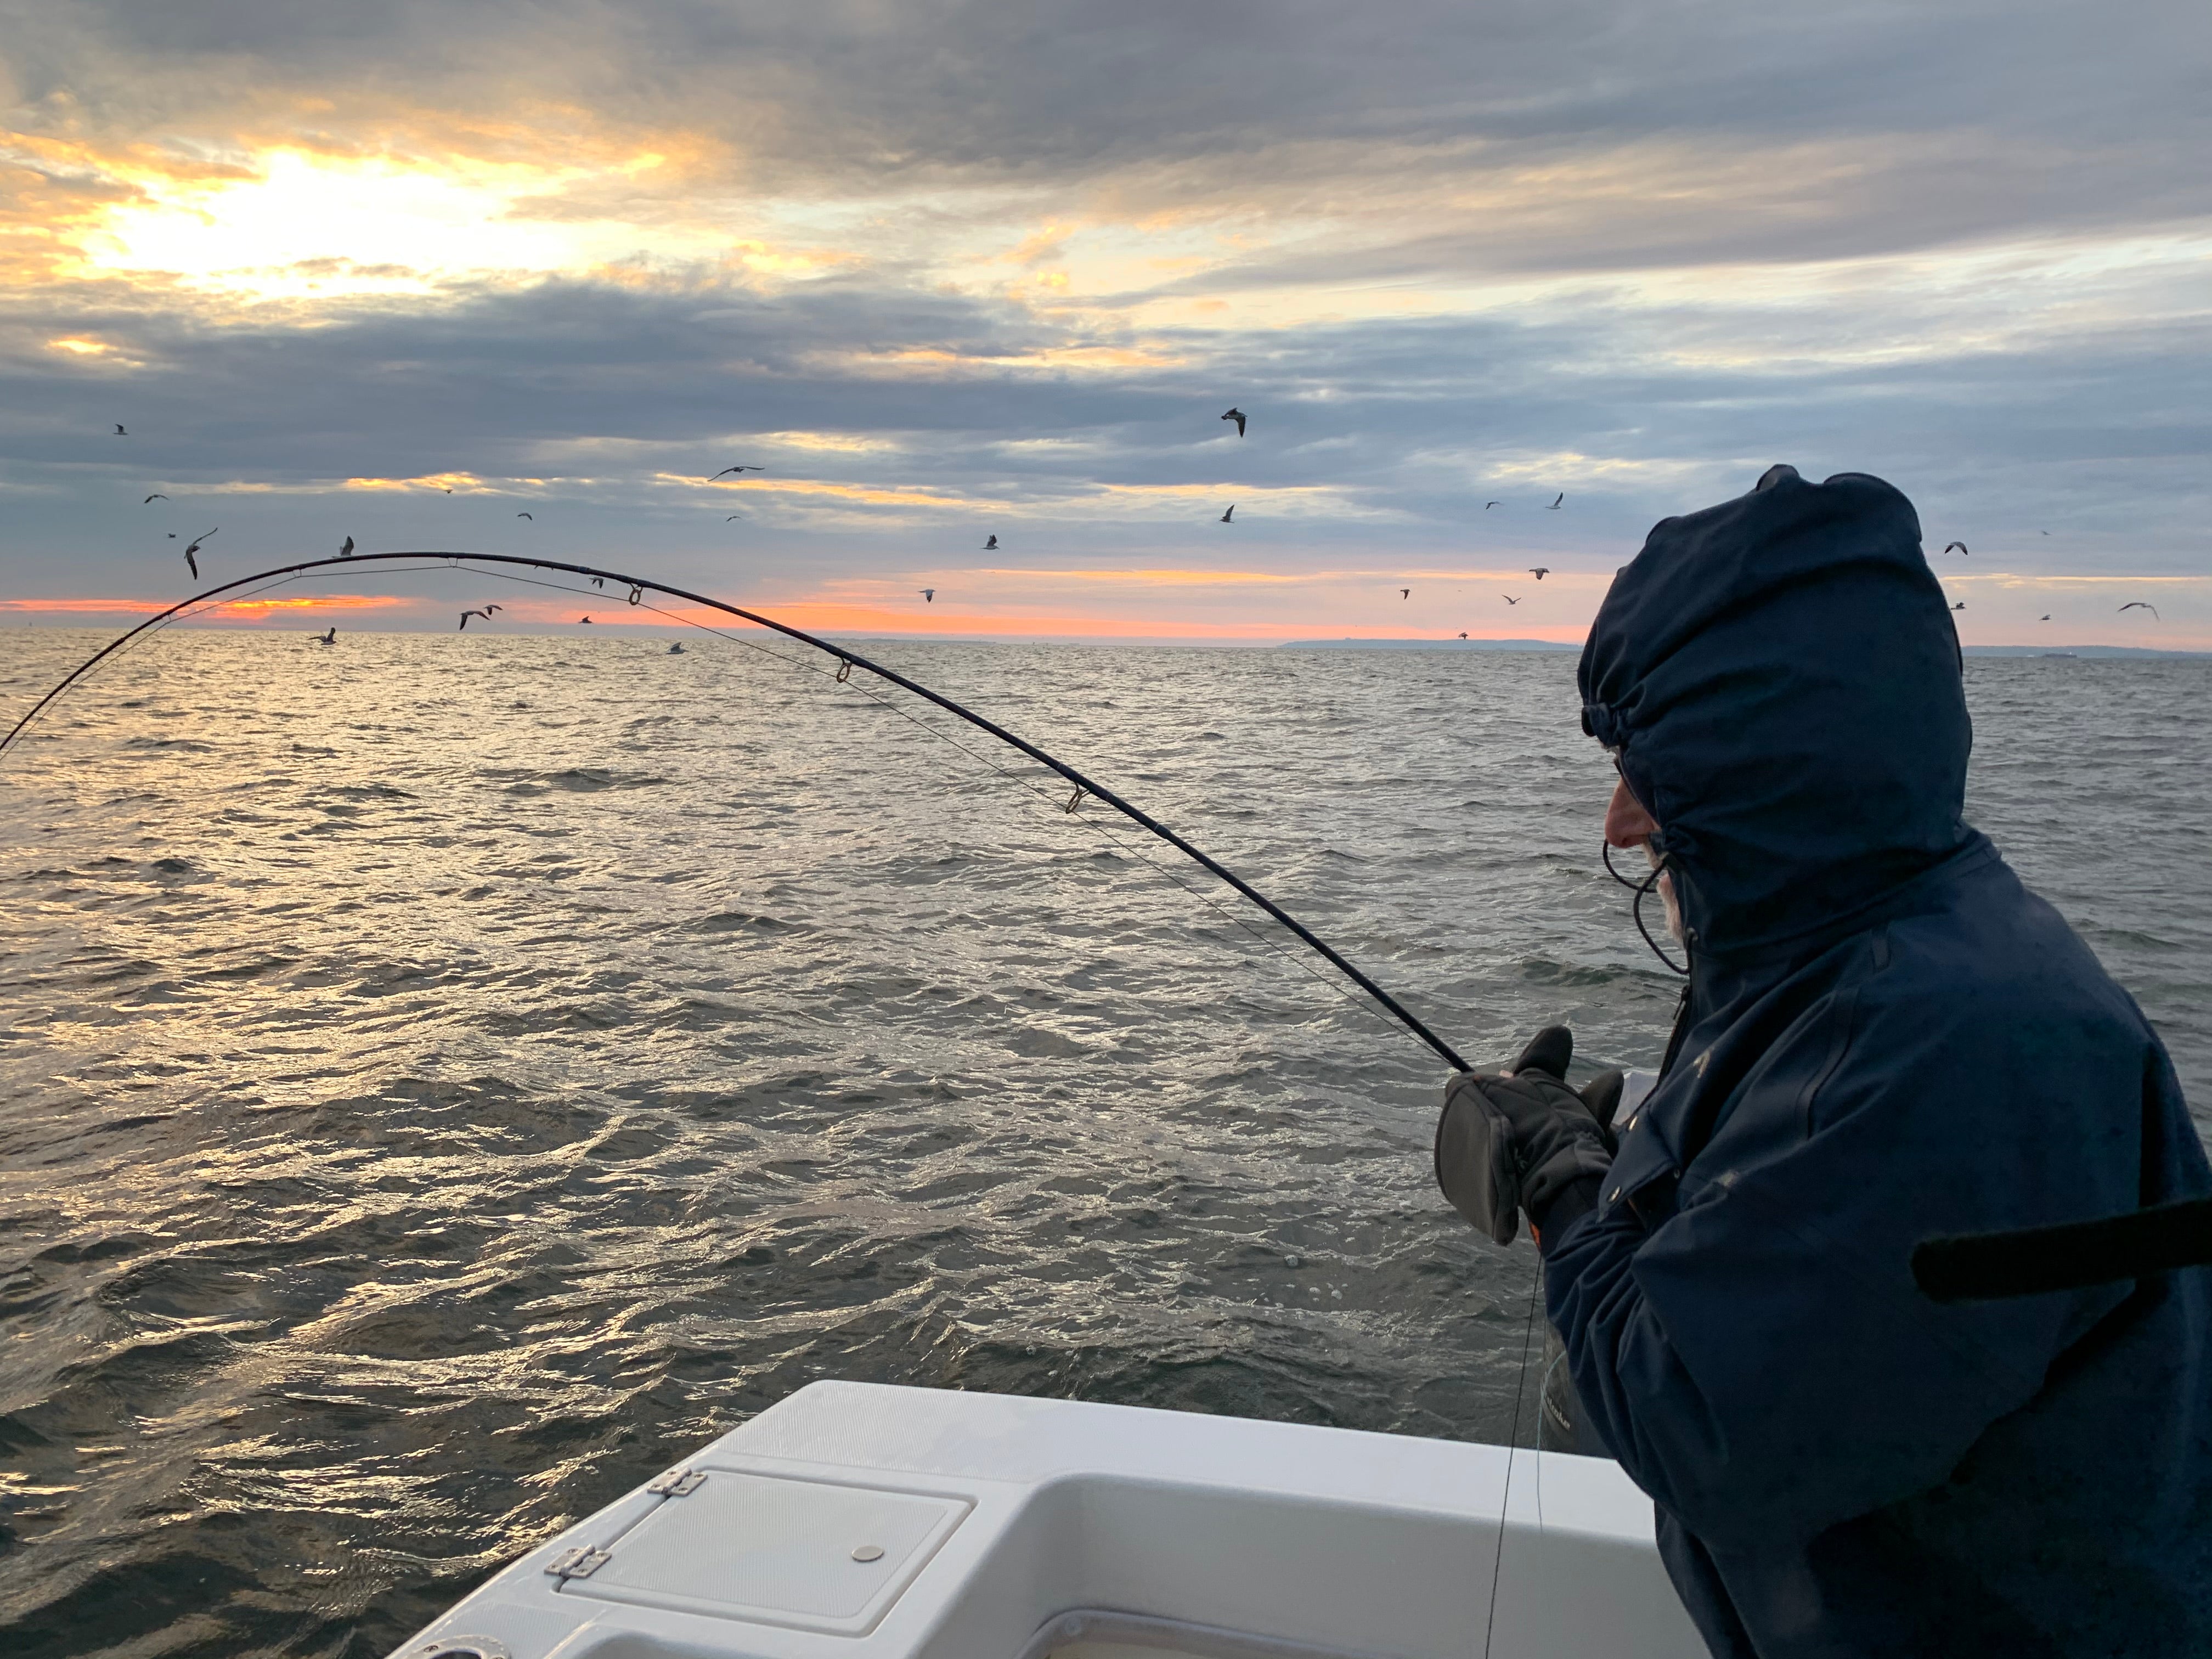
<point>1515,1142</point>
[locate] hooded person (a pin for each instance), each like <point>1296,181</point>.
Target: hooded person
<point>1883,1037</point>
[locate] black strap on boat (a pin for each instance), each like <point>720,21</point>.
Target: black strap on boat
<point>638,585</point>
<point>2072,1256</point>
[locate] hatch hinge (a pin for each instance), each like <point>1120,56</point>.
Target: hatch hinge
<point>579,1563</point>
<point>678,1483</point>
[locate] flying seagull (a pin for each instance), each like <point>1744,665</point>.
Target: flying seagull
<point>1553,505</point>
<point>120,433</point>
<point>1509,599</point>
<point>1404,592</point>
<point>676,649</point>
<point>1539,571</point>
<point>193,547</point>
<point>990,543</point>
<point>583,619</point>
<point>156,497</point>
<point>1487,506</point>
<point>2142,604</point>
<point>1463,633</point>
<point>928,595</point>
<point>597,581</point>
<point>346,551</point>
<point>1225,517</point>
<point>1961,605</point>
<point>2046,616</point>
<point>485,613</point>
<point>525,515</point>
<point>331,638</point>
<point>733,516</point>
<point>740,469</point>
<point>1235,415</point>
<point>1961,546</point>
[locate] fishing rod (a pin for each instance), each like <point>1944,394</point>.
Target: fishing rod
<point>639,586</point>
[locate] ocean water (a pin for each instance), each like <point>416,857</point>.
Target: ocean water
<point>443,1078</point>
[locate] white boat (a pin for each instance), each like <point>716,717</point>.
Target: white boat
<point>857,1521</point>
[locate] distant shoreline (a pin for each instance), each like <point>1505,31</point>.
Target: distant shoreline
<point>1549,645</point>
<point>662,629</point>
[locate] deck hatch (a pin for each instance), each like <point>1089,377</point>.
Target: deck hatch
<point>777,1551</point>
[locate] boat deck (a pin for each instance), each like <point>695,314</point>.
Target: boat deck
<point>866,1522</point>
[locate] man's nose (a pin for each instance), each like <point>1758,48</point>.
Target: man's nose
<point>1626,822</point>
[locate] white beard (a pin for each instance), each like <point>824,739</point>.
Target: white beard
<point>1666,886</point>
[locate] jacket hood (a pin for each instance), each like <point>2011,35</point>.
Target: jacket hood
<point>1779,679</point>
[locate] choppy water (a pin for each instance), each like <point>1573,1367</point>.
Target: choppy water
<point>446,1078</point>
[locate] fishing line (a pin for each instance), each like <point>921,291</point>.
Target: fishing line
<point>1513,1451</point>
<point>847,658</point>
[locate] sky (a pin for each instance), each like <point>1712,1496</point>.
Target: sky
<point>945,271</point>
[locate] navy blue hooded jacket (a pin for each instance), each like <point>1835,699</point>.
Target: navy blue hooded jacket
<point>1886,1037</point>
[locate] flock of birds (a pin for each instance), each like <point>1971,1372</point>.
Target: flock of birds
<point>990,545</point>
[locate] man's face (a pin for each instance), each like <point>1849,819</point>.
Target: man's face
<point>1628,824</point>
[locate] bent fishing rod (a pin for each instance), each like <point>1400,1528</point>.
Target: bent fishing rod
<point>639,586</point>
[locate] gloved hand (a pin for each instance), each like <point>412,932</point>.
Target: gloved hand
<point>1515,1142</point>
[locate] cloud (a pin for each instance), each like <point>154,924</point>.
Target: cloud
<point>950,270</point>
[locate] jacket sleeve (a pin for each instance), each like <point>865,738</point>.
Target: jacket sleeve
<point>1758,1357</point>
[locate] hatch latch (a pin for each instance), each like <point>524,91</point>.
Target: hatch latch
<point>579,1563</point>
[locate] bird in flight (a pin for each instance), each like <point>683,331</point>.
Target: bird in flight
<point>193,547</point>
<point>1539,571</point>
<point>1225,517</point>
<point>1509,599</point>
<point>1961,605</point>
<point>525,515</point>
<point>2046,616</point>
<point>156,497</point>
<point>1463,633</point>
<point>740,470</point>
<point>1553,505</point>
<point>1235,415</point>
<point>345,550</point>
<point>676,649</point>
<point>928,595</point>
<point>1487,506</point>
<point>120,433</point>
<point>1961,546</point>
<point>733,516</point>
<point>597,581</point>
<point>1404,592</point>
<point>583,619</point>
<point>485,613</point>
<point>331,638</point>
<point>2142,604</point>
<point>990,543</point>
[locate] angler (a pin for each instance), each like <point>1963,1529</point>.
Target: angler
<point>1884,1035</point>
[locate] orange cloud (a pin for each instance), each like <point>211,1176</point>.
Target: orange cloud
<point>254,608</point>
